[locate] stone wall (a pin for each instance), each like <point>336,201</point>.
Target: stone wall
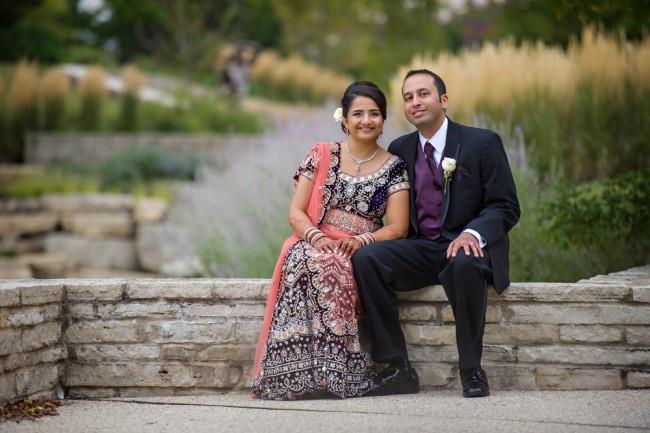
<point>83,148</point>
<point>75,235</point>
<point>193,336</point>
<point>32,352</point>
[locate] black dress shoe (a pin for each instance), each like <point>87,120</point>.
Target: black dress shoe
<point>396,380</point>
<point>475,383</point>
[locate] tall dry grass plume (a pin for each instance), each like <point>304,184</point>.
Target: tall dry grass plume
<point>94,82</point>
<point>54,89</point>
<point>23,92</point>
<point>296,77</point>
<point>133,79</point>
<point>92,89</point>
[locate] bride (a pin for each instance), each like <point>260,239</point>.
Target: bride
<point>309,343</point>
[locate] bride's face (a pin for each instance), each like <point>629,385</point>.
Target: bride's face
<point>364,120</point>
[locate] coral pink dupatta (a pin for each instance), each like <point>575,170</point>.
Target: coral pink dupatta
<point>321,152</point>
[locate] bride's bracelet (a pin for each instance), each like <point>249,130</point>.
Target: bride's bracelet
<point>365,239</point>
<point>313,235</point>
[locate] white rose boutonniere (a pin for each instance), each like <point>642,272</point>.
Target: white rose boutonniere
<point>338,115</point>
<point>448,167</point>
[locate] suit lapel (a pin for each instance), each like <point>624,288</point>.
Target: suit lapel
<point>410,154</point>
<point>452,149</point>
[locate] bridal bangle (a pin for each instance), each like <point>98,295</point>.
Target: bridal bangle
<point>365,239</point>
<point>313,235</point>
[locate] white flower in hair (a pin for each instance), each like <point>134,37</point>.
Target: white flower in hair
<point>338,115</point>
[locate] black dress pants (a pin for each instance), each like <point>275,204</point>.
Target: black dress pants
<point>384,268</point>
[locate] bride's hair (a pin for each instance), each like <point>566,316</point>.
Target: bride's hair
<point>363,88</point>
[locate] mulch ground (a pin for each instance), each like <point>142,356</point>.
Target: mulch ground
<point>28,410</point>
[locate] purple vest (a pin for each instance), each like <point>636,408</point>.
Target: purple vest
<point>428,196</point>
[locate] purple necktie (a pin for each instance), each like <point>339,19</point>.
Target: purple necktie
<point>428,151</point>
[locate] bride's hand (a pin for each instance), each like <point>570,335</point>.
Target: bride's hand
<point>326,245</point>
<point>348,247</point>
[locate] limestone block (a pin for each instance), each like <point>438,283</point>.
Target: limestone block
<point>427,294</point>
<point>638,335</point>
<point>590,334</point>
<point>10,341</point>
<point>96,253</point>
<point>439,375</point>
<point>558,378</point>
<point>96,290</point>
<point>13,269</point>
<point>208,352</point>
<point>149,210</point>
<point>9,296</point>
<point>514,333</point>
<point>577,314</point>
<point>125,310</point>
<point>592,355</point>
<point>27,223</point>
<point>240,288</point>
<point>118,331</point>
<point>247,331</point>
<point>99,224</point>
<point>47,265</point>
<point>20,245</point>
<point>158,244</point>
<point>7,387</point>
<point>89,353</point>
<point>417,312</point>
<point>149,374</point>
<point>510,377</point>
<point>216,375</point>
<point>248,310</point>
<point>41,335</point>
<point>35,379</point>
<point>152,392</point>
<point>563,292</point>
<point>187,332</point>
<point>170,289</point>
<point>34,294</point>
<point>199,310</point>
<point>638,379</point>
<point>641,294</point>
<point>492,314</point>
<point>48,355</point>
<point>88,202</point>
<point>450,353</point>
<point>29,316</point>
<point>432,335</point>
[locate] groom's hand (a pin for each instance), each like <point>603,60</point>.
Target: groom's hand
<point>467,242</point>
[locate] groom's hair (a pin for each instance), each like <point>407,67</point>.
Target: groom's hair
<point>437,81</point>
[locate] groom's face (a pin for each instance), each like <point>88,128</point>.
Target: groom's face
<point>423,107</point>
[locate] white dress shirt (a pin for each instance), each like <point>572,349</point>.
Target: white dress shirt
<point>438,141</point>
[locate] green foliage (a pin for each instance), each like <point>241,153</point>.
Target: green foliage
<point>90,113</point>
<point>607,219</point>
<point>142,165</point>
<point>58,182</point>
<point>129,113</point>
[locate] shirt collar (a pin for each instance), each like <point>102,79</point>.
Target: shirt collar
<point>439,138</point>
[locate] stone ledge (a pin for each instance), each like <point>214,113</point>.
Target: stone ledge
<point>126,337</point>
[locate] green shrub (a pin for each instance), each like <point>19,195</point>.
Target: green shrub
<point>142,165</point>
<point>605,220</point>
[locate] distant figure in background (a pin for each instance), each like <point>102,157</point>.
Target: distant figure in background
<point>309,343</point>
<point>235,69</point>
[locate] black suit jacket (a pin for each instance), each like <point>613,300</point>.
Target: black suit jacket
<point>481,193</point>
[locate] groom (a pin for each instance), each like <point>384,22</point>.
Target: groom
<point>463,202</point>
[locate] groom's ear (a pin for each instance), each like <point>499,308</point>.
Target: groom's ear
<point>444,101</point>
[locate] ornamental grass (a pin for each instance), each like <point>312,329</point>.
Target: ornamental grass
<point>92,89</point>
<point>584,111</point>
<point>55,89</point>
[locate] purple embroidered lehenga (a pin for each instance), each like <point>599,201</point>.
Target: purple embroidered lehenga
<point>312,341</point>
